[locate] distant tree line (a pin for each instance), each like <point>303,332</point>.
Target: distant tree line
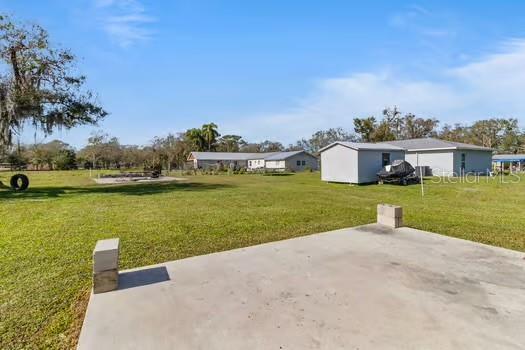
<point>105,152</point>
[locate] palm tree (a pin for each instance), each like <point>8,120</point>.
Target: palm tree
<point>210,134</point>
<point>196,137</point>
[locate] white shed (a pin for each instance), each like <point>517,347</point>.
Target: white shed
<point>446,158</point>
<point>352,162</point>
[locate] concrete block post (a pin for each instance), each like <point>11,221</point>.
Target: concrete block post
<point>390,215</point>
<point>105,265</point>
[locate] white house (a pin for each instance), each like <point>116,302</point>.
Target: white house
<point>446,158</point>
<point>291,161</point>
<point>202,160</point>
<point>256,161</point>
<point>276,161</point>
<point>353,162</point>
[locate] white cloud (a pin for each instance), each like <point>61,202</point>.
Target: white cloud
<point>428,25</point>
<point>408,16</point>
<point>491,86</point>
<point>125,21</point>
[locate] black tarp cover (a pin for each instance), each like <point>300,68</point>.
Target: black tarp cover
<point>398,168</point>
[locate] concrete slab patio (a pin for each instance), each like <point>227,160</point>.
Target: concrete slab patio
<point>368,287</point>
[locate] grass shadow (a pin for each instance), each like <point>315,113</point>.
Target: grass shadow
<point>124,189</point>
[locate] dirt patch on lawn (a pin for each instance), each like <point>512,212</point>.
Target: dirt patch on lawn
<point>124,180</point>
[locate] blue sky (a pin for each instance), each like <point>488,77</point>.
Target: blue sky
<point>280,70</point>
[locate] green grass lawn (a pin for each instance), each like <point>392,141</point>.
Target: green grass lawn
<point>47,234</point>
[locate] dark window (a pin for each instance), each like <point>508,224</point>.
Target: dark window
<point>463,162</point>
<point>303,162</point>
<point>298,163</point>
<point>385,158</point>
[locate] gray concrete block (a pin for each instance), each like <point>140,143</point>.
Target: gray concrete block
<point>105,281</point>
<point>390,221</point>
<point>105,255</point>
<point>390,215</point>
<point>390,210</point>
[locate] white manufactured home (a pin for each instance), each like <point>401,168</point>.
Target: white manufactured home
<point>353,162</point>
<point>446,158</point>
<point>257,161</point>
<point>273,161</point>
<point>203,160</point>
<point>291,161</point>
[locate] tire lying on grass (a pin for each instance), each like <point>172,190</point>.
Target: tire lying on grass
<point>19,182</point>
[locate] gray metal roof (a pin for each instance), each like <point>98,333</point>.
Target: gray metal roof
<point>432,144</point>
<point>364,146</point>
<point>509,157</point>
<point>283,155</point>
<point>262,155</point>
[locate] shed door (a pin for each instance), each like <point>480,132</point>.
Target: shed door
<point>385,159</point>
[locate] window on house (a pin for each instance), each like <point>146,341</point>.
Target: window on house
<point>303,162</point>
<point>298,163</point>
<point>463,162</point>
<point>385,159</point>
<point>249,163</point>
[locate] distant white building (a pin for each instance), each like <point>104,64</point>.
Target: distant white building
<point>203,160</point>
<point>291,161</point>
<point>276,161</point>
<point>256,161</point>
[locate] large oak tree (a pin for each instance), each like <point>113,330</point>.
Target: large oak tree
<point>39,85</point>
